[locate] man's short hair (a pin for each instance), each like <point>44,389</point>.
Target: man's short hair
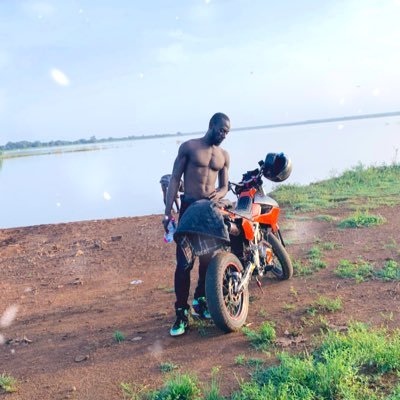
<point>217,117</point>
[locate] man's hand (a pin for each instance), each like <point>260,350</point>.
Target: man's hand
<point>215,196</point>
<point>165,221</point>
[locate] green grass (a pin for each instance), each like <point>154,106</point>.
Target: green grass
<point>240,359</point>
<point>361,219</point>
<point>211,392</point>
<point>359,185</point>
<point>118,336</point>
<point>358,365</point>
<point>360,270</point>
<point>329,246</point>
<point>134,392</point>
<point>178,387</point>
<point>168,367</point>
<point>392,244</point>
<point>263,338</point>
<point>313,263</point>
<point>201,325</point>
<point>390,272</point>
<point>315,258</point>
<point>326,304</point>
<point>250,362</point>
<point>301,269</point>
<point>263,313</point>
<point>8,383</point>
<point>288,307</point>
<point>325,218</point>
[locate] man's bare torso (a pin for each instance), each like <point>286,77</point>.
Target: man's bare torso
<point>203,164</point>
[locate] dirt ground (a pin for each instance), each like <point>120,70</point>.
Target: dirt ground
<point>71,286</point>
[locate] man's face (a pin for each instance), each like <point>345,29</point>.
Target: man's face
<point>219,131</point>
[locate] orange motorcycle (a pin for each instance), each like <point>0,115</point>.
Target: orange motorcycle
<point>245,239</point>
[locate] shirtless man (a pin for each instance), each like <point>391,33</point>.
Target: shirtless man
<point>201,162</point>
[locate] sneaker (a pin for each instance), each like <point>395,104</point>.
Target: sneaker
<point>200,309</point>
<point>181,324</point>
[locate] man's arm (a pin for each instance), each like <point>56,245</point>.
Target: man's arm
<point>177,172</point>
<point>223,181</point>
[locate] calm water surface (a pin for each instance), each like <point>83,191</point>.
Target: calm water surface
<point>123,180</point>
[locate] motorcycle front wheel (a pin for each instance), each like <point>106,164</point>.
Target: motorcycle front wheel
<point>228,310</point>
<point>282,265</point>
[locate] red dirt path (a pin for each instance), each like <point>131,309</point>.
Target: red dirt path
<point>71,284</point>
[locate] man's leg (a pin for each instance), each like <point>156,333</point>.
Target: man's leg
<point>200,308</point>
<point>182,279</point>
<point>182,287</point>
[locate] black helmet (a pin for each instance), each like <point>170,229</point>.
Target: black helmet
<point>277,167</point>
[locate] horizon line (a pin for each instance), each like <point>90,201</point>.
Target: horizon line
<point>307,122</point>
<point>268,126</point>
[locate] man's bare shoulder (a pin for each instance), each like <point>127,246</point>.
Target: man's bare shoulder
<point>190,144</point>
<point>224,152</point>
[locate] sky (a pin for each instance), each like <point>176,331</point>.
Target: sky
<point>78,68</point>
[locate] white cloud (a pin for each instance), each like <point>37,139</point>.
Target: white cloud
<point>59,77</point>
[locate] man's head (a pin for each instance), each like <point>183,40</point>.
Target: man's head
<point>218,128</point>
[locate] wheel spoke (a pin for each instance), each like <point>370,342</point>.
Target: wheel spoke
<point>233,303</point>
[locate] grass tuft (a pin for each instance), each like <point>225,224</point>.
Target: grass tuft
<point>390,272</point>
<point>313,264</point>
<point>325,218</point>
<point>211,392</point>
<point>133,392</point>
<point>8,383</point>
<point>168,367</point>
<point>361,219</point>
<point>329,246</point>
<point>179,387</point>
<point>240,359</point>
<point>263,338</point>
<point>329,305</point>
<point>118,336</point>
<point>359,270</point>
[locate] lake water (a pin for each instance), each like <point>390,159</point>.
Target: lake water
<point>122,180</point>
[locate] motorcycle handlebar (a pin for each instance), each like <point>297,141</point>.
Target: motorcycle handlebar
<point>243,183</point>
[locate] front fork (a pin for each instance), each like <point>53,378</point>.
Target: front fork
<point>252,264</point>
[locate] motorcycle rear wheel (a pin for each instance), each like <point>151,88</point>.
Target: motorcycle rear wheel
<point>282,265</point>
<point>229,311</point>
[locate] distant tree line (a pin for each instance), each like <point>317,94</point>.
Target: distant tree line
<point>25,144</point>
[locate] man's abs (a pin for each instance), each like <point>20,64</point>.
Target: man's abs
<point>200,182</point>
